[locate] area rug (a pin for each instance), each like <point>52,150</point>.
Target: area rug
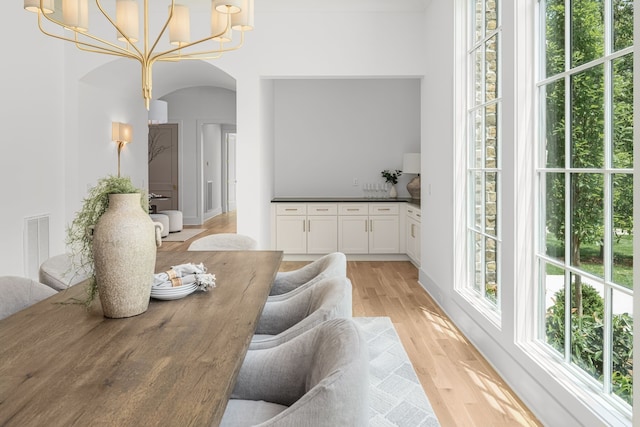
<point>183,235</point>
<point>397,398</point>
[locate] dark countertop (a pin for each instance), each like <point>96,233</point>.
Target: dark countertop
<point>342,200</point>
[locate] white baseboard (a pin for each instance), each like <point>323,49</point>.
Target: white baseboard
<point>350,257</point>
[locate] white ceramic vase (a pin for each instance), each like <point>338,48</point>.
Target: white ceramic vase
<point>124,252</point>
<point>393,193</point>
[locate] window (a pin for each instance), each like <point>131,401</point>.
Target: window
<point>585,181</point>
<point>483,151</point>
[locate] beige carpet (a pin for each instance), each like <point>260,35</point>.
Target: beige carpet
<point>183,235</point>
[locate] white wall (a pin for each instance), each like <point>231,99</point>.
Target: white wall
<point>295,41</point>
<point>33,147</point>
<point>330,132</point>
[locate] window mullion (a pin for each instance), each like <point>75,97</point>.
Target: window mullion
<point>607,366</point>
<point>567,35</point>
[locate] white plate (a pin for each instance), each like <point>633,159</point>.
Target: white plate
<point>179,289</point>
<point>173,293</point>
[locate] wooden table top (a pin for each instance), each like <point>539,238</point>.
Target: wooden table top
<point>174,365</point>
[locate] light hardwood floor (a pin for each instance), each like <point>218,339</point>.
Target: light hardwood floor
<point>462,387</point>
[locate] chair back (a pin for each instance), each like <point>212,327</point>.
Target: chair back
<point>330,265</point>
<point>19,293</point>
<point>224,242</point>
<point>328,299</point>
<point>322,376</point>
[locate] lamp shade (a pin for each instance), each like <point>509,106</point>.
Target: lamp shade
<point>158,112</point>
<point>227,6</point>
<point>219,25</point>
<point>243,20</point>
<point>121,132</point>
<point>127,19</point>
<point>34,6</point>
<point>75,14</point>
<point>411,163</point>
<point>179,26</point>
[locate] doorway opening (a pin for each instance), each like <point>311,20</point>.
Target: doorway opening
<point>163,167</point>
<point>217,160</point>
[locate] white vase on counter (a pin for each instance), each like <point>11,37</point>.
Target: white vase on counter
<point>393,193</point>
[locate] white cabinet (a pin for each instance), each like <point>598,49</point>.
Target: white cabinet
<point>306,228</point>
<point>412,234</point>
<point>322,226</point>
<point>368,228</point>
<point>357,228</point>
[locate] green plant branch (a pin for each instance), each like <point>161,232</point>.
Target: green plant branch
<point>79,233</point>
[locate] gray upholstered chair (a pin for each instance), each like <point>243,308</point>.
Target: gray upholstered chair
<point>224,242</point>
<point>333,264</point>
<point>286,318</point>
<point>20,292</point>
<point>58,272</point>
<point>319,379</point>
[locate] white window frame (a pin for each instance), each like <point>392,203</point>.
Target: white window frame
<point>612,407</point>
<point>479,299</point>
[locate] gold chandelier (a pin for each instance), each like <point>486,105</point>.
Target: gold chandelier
<point>227,17</point>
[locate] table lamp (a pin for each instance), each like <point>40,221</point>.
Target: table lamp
<point>411,164</point>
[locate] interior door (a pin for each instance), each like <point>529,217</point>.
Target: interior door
<point>231,171</point>
<point>163,165</point>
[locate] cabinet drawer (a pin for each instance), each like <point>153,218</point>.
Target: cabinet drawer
<point>322,209</point>
<point>353,209</point>
<point>384,209</point>
<point>291,209</point>
<point>414,213</point>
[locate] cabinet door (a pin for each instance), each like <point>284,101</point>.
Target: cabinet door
<point>353,234</point>
<point>413,239</point>
<point>322,234</point>
<point>418,244</point>
<point>291,234</point>
<point>384,234</point>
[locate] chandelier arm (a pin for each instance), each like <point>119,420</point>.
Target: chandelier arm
<point>188,45</point>
<point>160,34</point>
<point>189,58</point>
<point>84,46</point>
<point>200,55</point>
<point>97,49</point>
<point>115,25</point>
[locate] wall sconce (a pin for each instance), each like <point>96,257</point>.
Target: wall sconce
<point>411,164</point>
<point>121,133</point>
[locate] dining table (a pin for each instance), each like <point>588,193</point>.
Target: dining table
<point>65,364</point>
